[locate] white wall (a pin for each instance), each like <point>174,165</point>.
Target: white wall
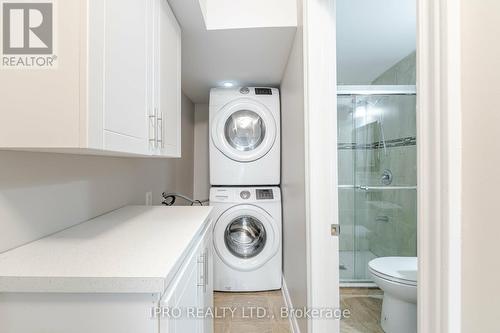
<point>480,163</point>
<point>372,36</point>
<point>201,160</point>
<point>185,166</point>
<point>293,176</point>
<point>41,193</point>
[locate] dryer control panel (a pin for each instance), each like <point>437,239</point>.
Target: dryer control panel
<point>263,91</point>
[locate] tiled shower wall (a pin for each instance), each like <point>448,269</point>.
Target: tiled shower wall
<point>404,72</point>
<point>381,222</point>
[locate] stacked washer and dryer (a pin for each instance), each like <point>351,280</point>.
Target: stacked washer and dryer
<point>245,155</point>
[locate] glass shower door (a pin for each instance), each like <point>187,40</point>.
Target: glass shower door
<point>377,180</point>
<point>368,133</point>
<point>355,133</point>
<point>346,156</point>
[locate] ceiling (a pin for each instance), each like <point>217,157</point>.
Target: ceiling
<point>256,56</point>
<point>372,36</point>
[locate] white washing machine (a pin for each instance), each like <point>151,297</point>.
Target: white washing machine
<point>244,136</point>
<point>246,238</point>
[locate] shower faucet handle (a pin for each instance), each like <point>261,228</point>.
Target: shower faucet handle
<point>386,178</point>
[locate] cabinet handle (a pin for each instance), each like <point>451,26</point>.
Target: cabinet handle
<point>202,278</point>
<point>153,126</point>
<point>159,123</point>
<point>205,275</point>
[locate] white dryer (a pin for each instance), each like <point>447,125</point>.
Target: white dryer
<point>246,238</point>
<point>244,136</point>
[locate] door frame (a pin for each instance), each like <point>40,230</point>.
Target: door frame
<point>320,127</point>
<point>439,163</point>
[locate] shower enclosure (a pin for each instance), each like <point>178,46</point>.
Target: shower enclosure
<point>377,160</point>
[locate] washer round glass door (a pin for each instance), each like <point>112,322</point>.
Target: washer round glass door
<point>246,237</point>
<point>244,130</point>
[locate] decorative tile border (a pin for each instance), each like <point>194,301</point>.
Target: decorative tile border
<point>401,142</point>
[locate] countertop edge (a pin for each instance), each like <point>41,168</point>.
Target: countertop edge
<point>78,285</point>
<point>101,285</point>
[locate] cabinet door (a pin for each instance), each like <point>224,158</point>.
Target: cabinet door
<point>168,81</point>
<point>41,108</point>
<point>181,296</point>
<point>187,297</point>
<point>193,288</point>
<point>128,57</point>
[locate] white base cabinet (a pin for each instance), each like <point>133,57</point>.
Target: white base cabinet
<point>115,89</point>
<point>190,292</point>
<point>188,303</point>
<point>77,313</point>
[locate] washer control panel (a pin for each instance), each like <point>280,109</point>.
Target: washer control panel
<point>264,194</point>
<point>245,195</point>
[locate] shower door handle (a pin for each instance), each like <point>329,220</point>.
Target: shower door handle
<point>384,188</point>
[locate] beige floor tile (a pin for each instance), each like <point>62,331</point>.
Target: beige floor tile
<point>365,305</point>
<point>243,321</point>
<point>282,326</point>
<point>220,326</point>
<point>251,326</point>
<point>360,291</point>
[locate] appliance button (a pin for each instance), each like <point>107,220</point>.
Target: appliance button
<point>244,90</point>
<point>245,194</point>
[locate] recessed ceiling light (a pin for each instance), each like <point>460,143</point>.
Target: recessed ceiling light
<point>228,84</point>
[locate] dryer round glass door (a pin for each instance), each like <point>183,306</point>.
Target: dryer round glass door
<point>244,130</point>
<point>246,237</point>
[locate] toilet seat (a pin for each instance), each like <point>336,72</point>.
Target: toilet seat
<point>396,269</point>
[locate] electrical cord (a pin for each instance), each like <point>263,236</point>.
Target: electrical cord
<point>170,198</point>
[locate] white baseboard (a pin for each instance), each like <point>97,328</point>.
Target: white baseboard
<point>294,325</point>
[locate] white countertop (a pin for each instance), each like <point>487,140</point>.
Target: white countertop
<point>135,249</point>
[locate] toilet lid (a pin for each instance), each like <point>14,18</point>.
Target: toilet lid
<point>396,268</point>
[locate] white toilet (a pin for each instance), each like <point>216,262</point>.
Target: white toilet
<point>397,277</point>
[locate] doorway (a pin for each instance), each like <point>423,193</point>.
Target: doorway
<point>377,162</point>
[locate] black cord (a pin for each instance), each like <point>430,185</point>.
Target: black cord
<point>170,198</point>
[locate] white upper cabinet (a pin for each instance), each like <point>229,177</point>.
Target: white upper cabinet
<point>115,89</point>
<point>167,80</point>
<point>127,59</point>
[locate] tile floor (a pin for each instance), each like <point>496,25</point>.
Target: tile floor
<point>243,321</point>
<point>365,305</point>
